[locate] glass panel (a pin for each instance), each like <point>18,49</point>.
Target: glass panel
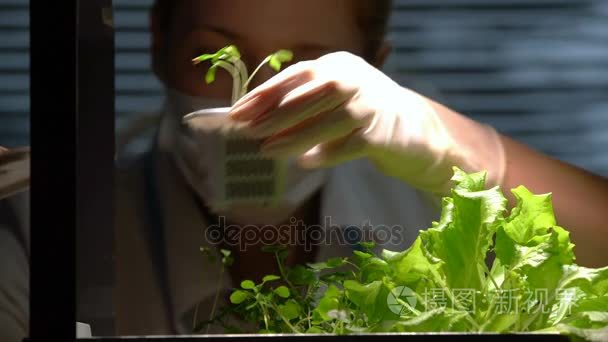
<point>187,194</point>
<point>14,68</point>
<point>14,169</point>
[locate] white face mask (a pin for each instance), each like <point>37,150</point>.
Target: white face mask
<point>226,170</point>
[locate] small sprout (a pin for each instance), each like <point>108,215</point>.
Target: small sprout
<point>207,253</point>
<point>227,258</point>
<point>227,52</point>
<point>229,58</point>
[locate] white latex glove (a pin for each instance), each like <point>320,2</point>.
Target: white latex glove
<point>338,108</point>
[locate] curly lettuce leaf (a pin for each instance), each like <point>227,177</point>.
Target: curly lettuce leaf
<point>462,238</point>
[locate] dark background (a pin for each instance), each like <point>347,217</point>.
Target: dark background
<point>535,69</point>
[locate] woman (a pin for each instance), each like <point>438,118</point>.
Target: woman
<point>400,147</point>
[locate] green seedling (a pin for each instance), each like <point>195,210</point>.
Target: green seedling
<point>229,59</point>
<point>227,260</point>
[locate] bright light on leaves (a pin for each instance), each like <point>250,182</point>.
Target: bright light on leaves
<point>452,289</point>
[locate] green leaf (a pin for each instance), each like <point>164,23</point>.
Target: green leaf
<point>282,291</point>
<point>248,284</point>
<point>232,50</point>
<point>548,274</point>
<point>590,319</point>
<point>374,269</point>
<point>532,216</point>
<point>204,57</point>
<point>462,237</point>
<point>290,310</point>
<point>227,258</point>
<point>468,182</point>
<point>300,275</point>
<point>210,76</point>
<point>360,258</point>
<point>538,265</point>
<point>335,262</point>
<point>227,53</point>
<point>502,322</point>
<point>435,320</point>
<point>367,245</point>
<point>411,265</point>
<point>274,64</point>
<point>283,55</point>
<point>330,263</point>
<point>592,335</point>
<point>279,57</point>
<point>315,330</point>
<point>270,277</point>
<point>238,296</point>
<point>318,266</point>
<point>591,304</point>
<point>515,256</point>
<point>336,276</point>
<point>593,281</point>
<point>370,298</point>
<point>330,301</point>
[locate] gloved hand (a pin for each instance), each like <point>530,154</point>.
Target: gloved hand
<point>338,108</point>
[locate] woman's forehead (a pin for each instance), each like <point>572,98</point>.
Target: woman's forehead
<point>284,22</point>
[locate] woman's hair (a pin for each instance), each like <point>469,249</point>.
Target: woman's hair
<point>373,16</point>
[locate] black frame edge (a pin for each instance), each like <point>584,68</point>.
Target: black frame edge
<point>53,98</point>
<point>72,140</point>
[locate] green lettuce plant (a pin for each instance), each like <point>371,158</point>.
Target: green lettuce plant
<point>533,263</point>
